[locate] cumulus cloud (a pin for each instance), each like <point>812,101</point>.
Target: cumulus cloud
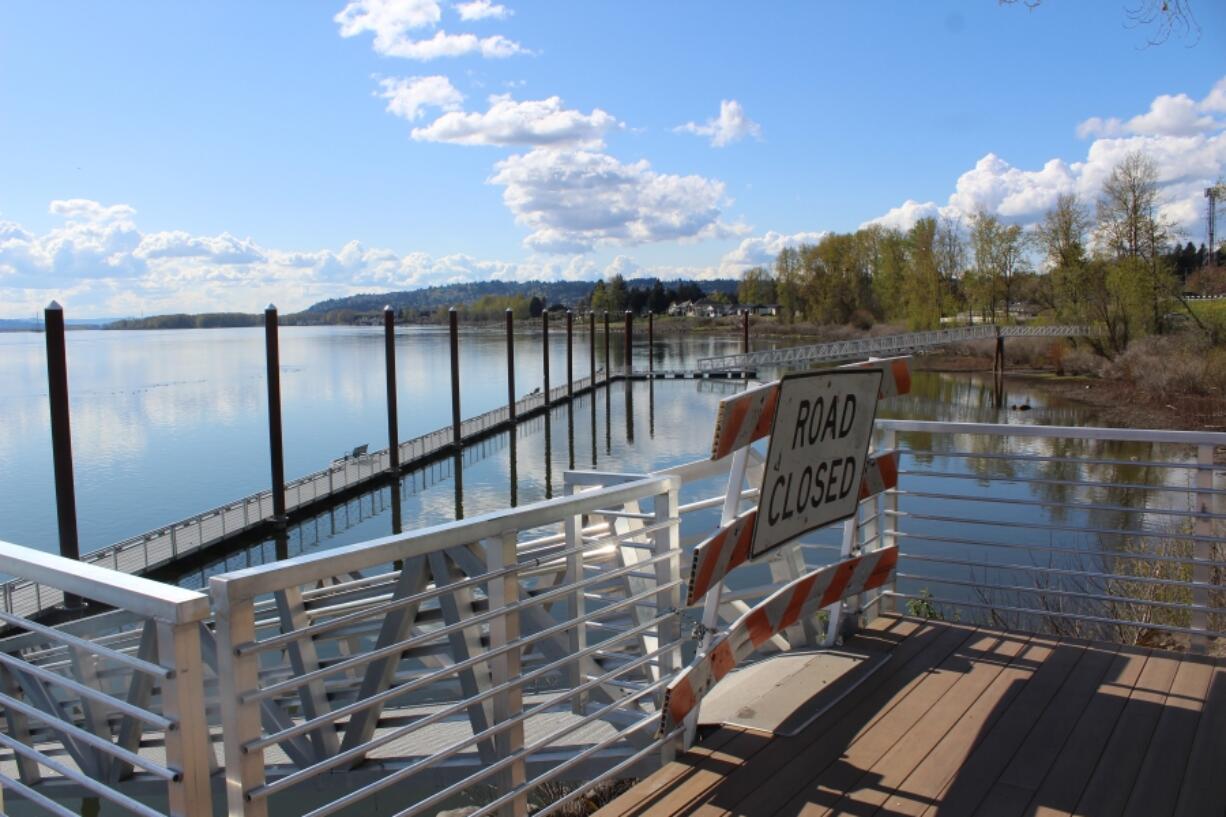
<point>732,125</point>
<point>531,122</point>
<point>574,201</point>
<point>481,10</point>
<point>98,262</point>
<point>408,97</point>
<point>394,24</point>
<point>761,250</point>
<point>1187,146</point>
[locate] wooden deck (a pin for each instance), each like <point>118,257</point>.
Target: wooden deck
<point>967,721</point>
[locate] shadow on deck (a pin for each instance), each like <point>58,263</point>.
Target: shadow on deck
<point>970,721</point>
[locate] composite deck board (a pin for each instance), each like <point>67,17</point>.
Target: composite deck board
<point>789,764</point>
<point>1204,781</point>
<point>964,721</point>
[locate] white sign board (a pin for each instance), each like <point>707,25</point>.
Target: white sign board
<point>818,445</point>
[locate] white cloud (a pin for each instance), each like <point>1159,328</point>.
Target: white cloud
<point>732,125</point>
<point>392,22</point>
<point>99,263</point>
<point>407,97</point>
<point>574,201</point>
<point>532,122</point>
<point>481,10</point>
<point>1215,102</point>
<point>1168,115</point>
<point>1187,146</point>
<point>761,250</point>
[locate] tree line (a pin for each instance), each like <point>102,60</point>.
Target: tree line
<point>1115,262</point>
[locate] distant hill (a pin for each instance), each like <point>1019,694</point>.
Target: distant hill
<point>30,324</point>
<point>428,299</point>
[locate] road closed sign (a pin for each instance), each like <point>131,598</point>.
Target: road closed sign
<point>818,445</point>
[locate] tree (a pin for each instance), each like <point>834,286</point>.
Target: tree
<point>617,296</point>
<point>999,251</point>
<point>788,275</point>
<point>949,254</point>
<point>1166,17</point>
<point>922,281</point>
<point>536,306</point>
<point>756,287</point>
<point>657,300</point>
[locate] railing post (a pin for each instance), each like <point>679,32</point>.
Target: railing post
<point>667,540</point>
<point>570,368</point>
<point>501,554</point>
<point>457,438</point>
<point>577,602</point>
<point>393,429</point>
<point>61,437</point>
<point>188,746</point>
<point>272,354</point>
<point>887,519</point>
<point>511,369</point>
<point>237,676</point>
<point>545,353</point>
<point>1203,547</point>
<point>628,364</point>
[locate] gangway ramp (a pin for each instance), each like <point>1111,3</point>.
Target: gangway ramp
<point>883,346</point>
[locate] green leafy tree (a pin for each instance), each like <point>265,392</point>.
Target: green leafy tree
<point>756,287</point>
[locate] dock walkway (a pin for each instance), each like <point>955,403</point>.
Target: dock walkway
<point>960,720</point>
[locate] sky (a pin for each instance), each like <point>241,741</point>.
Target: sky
<point>168,157</point>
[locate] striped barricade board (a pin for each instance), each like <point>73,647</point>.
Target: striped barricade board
<point>748,417</point>
<point>788,605</point>
<point>728,548</point>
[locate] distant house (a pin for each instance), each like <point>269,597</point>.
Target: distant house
<point>762,309</point>
<point>680,308</point>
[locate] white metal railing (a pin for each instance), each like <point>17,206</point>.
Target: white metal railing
<point>523,646</point>
<point>139,554</point>
<point>1108,533</point>
<point>94,707</point>
<point>883,345</point>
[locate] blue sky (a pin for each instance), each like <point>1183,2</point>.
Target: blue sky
<point>175,156</point>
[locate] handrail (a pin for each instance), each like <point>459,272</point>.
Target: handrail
<point>1145,435</point>
<point>164,602</point>
<point>299,570</point>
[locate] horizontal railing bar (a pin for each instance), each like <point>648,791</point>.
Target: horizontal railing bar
<point>550,774</point>
<point>610,773</point>
<point>1107,597</point>
<point>103,745</point>
<point>1013,457</point>
<point>1063,571</point>
<point>81,779</point>
<point>1073,506</point>
<point>84,691</point>
<point>1105,554</point>
<point>472,621</point>
<point>312,567</point>
<point>1008,523</point>
<point>34,796</point>
<point>623,514</point>
<point>89,646</point>
<point>283,639</point>
<point>1143,435</point>
<point>440,755</point>
<point>1136,486</point>
<point>1170,628</point>
<point>452,669</point>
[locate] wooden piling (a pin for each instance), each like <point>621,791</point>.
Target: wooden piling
<point>651,343</point>
<point>591,348</point>
<point>389,356</point>
<point>456,428</point>
<point>606,346</point>
<point>745,331</point>
<point>570,351</point>
<point>545,351</point>
<point>61,438</point>
<point>628,356</point>
<point>511,371</point>
<point>276,452</point>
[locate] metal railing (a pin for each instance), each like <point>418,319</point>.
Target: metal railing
<point>481,659</point>
<point>1114,534</point>
<point>160,547</point>
<point>108,703</point>
<point>884,345</point>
